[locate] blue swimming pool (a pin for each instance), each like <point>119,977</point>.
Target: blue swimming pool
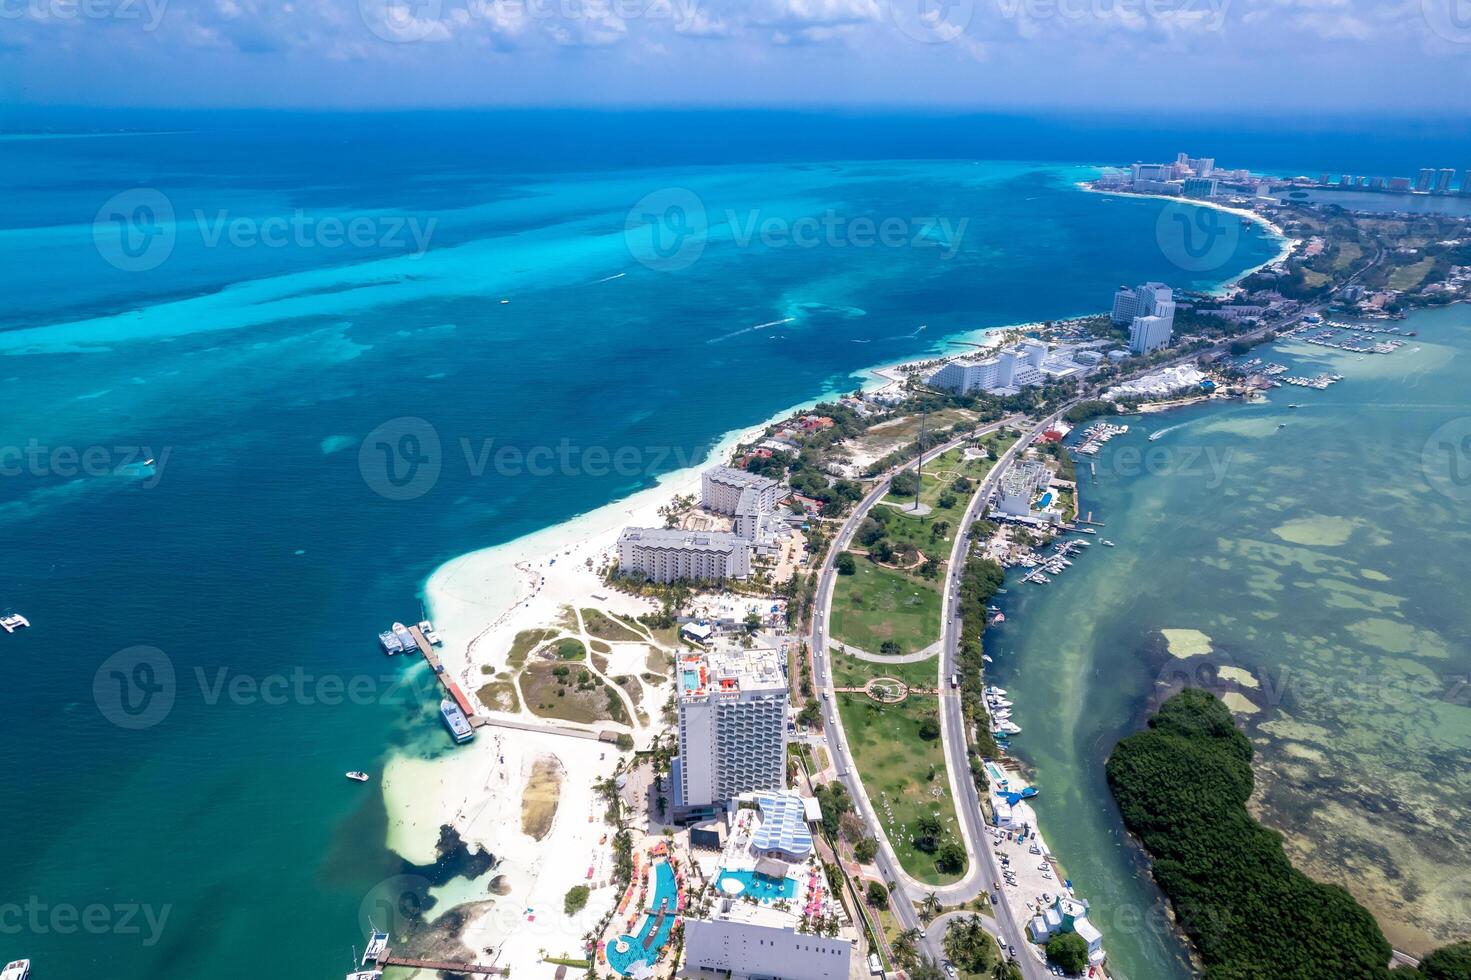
<point>760,886</point>
<point>656,928</point>
<point>1045,501</point>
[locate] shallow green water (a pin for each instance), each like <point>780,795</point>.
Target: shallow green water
<point>1324,561</point>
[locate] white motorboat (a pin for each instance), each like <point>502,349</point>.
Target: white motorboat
<point>12,623</point>
<point>16,970</point>
<point>358,777</point>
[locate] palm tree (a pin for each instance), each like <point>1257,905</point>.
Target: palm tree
<point>905,946</point>
<point>929,906</point>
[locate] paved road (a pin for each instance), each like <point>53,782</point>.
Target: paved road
<point>887,863</point>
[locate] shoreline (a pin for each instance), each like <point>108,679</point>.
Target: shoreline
<point>1286,244</point>
<point>481,599</point>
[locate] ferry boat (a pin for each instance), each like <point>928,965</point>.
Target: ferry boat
<point>16,970</point>
<point>358,777</point>
<point>456,722</point>
<point>12,623</point>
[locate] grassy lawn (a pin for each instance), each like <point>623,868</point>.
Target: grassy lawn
<point>524,643</point>
<point>896,766</point>
<point>1348,254</point>
<point>877,604</point>
<point>1410,276</point>
<point>849,671</point>
<point>606,628</point>
<point>567,692</point>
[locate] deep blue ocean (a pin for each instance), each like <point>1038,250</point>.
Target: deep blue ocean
<point>243,297</point>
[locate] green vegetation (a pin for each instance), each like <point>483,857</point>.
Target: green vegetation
<point>606,628</point>
<point>878,895</point>
<point>576,899</point>
<point>551,689</point>
<point>1407,277</point>
<point>1451,962</point>
<point>499,696</point>
<point>1182,786</point>
<point>970,947</point>
<point>570,649</point>
<point>906,780</point>
<point>845,563</point>
<point>849,671</point>
<point>1068,951</point>
<point>877,604</point>
<point>524,643</point>
<point>978,585</point>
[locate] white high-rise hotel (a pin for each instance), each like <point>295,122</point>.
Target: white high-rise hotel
<point>1150,312</point>
<point>732,726</point>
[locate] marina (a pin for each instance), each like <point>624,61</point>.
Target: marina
<point>1096,436</point>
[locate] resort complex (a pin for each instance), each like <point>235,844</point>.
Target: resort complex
<point>732,713</point>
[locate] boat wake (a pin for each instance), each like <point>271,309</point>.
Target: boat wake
<point>1166,431</point>
<point>616,275</point>
<point>752,329</point>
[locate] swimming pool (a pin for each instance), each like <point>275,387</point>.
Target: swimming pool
<point>1045,501</point>
<point>644,948</point>
<point>759,885</point>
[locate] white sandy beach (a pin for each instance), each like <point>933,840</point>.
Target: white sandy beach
<point>479,602</point>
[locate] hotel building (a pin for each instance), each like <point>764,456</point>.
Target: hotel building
<point>772,912</point>
<point>724,488</point>
<point>732,728</point>
<point>667,555</point>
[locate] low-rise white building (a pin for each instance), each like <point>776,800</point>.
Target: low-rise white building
<point>773,912</point>
<point>671,554</point>
<point>1067,914</point>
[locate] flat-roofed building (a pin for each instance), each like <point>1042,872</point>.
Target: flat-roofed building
<point>722,489</point>
<point>732,708</point>
<point>670,554</point>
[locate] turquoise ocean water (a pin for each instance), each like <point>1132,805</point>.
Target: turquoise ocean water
<point>1316,550</point>
<point>242,299</point>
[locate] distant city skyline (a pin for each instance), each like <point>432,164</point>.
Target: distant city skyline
<point>1343,55</point>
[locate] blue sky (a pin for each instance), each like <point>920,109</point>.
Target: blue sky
<point>1125,55</point>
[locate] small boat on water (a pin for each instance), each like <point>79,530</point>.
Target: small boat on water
<point>377,946</point>
<point>358,777</point>
<point>12,623</point>
<point>1107,543</point>
<point>16,970</point>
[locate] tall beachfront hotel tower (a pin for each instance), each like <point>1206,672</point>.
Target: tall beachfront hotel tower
<point>732,728</point>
